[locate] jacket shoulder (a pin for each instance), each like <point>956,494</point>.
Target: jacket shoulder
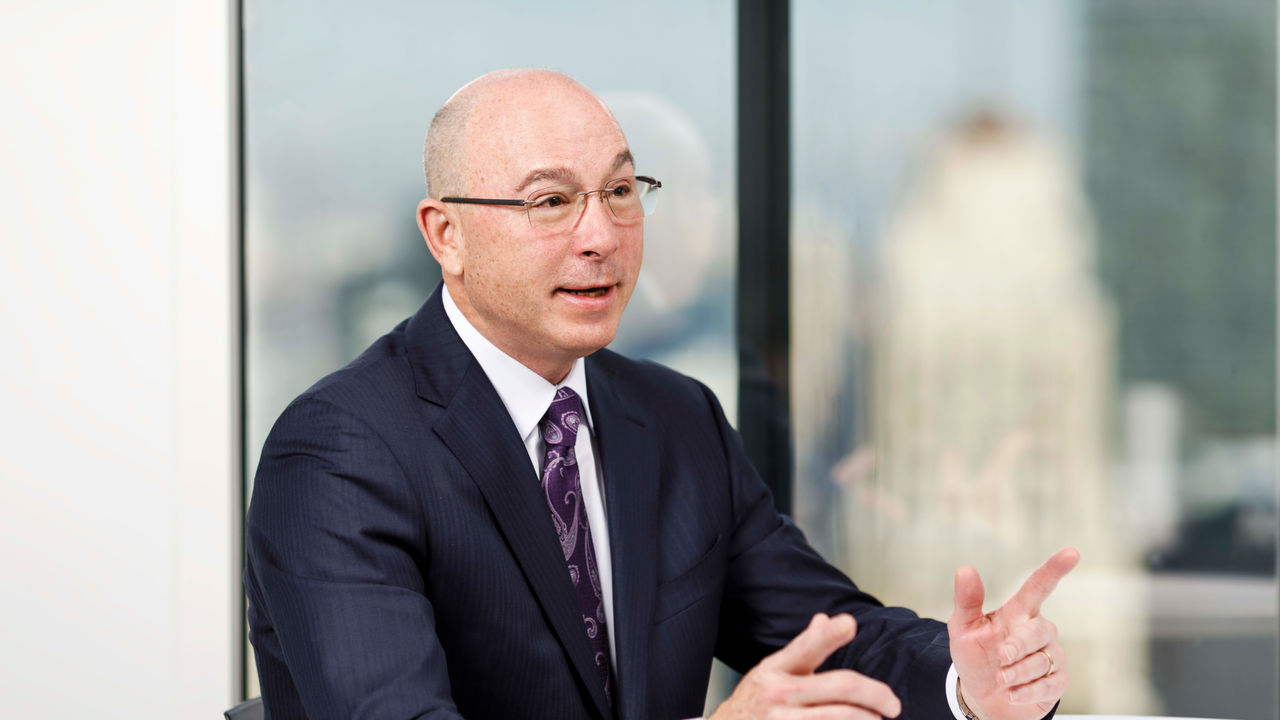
<point>378,378</point>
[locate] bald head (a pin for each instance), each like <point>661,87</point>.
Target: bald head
<point>505,136</point>
<point>480,108</point>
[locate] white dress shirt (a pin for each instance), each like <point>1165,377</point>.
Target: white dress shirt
<point>527,395</point>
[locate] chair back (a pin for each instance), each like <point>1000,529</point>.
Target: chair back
<point>247,710</point>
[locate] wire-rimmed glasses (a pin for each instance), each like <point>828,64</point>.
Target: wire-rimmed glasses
<point>557,208</point>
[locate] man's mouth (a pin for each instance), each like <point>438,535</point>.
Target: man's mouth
<point>589,292</point>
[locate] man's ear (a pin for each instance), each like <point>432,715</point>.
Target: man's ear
<point>442,234</point>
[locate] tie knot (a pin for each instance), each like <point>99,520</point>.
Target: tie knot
<point>560,425</point>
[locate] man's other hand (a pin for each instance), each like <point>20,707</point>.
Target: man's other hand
<point>1010,664</point>
<point>784,685</point>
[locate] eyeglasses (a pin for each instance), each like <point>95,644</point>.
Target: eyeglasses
<point>557,208</point>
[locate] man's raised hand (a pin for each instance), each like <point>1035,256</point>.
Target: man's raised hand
<point>784,685</point>
<point>1010,664</point>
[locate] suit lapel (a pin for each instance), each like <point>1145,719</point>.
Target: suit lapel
<point>628,457</point>
<point>477,429</point>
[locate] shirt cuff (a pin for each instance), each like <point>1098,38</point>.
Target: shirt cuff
<point>953,677</point>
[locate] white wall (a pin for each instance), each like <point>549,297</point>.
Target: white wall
<point>118,453</point>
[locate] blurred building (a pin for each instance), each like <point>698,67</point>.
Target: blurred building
<point>989,421</point>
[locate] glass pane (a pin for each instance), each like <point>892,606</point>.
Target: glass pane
<point>338,96</point>
<point>1034,292</point>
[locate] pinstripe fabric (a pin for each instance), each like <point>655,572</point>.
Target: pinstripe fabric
<point>401,562</point>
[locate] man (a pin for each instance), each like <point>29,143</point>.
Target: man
<point>485,515</point>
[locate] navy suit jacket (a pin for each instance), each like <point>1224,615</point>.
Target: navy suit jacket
<point>402,562</point>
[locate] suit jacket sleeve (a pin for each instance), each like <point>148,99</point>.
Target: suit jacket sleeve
<point>775,582</point>
<point>334,546</point>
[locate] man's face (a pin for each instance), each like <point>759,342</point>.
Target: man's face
<point>523,284</point>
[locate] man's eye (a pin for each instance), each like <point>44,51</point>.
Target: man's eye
<point>550,201</point>
<point>620,191</point>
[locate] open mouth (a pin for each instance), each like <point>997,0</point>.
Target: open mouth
<point>589,292</point>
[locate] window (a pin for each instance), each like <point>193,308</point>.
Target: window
<point>1032,287</point>
<point>1033,305</point>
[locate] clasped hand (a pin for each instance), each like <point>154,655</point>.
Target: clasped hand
<point>1010,664</point>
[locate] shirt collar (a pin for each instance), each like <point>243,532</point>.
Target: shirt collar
<point>525,393</point>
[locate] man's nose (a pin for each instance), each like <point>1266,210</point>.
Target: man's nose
<point>596,232</point>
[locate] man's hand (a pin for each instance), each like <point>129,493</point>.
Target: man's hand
<point>1010,663</point>
<point>784,686</point>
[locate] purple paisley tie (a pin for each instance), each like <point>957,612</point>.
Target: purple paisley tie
<point>559,429</point>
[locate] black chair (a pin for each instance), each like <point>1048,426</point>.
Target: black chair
<point>247,710</point>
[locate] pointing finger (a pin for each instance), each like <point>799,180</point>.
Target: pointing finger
<point>1042,582</point>
<point>812,647</point>
<point>969,597</point>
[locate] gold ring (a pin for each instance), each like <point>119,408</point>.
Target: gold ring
<point>1049,657</point>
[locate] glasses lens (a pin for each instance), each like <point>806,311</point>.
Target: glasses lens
<point>549,207</point>
<point>648,195</point>
<point>631,198</point>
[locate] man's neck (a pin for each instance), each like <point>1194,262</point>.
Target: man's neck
<point>553,372</point>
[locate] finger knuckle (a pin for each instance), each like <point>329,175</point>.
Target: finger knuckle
<point>777,692</point>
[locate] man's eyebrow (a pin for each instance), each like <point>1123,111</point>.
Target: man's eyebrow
<point>623,158</point>
<point>557,174</point>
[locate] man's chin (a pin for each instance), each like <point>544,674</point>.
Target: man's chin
<point>589,342</point>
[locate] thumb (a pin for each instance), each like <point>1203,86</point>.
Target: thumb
<point>969,597</point>
<point>812,647</point>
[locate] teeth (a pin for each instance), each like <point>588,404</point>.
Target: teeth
<point>594,292</point>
